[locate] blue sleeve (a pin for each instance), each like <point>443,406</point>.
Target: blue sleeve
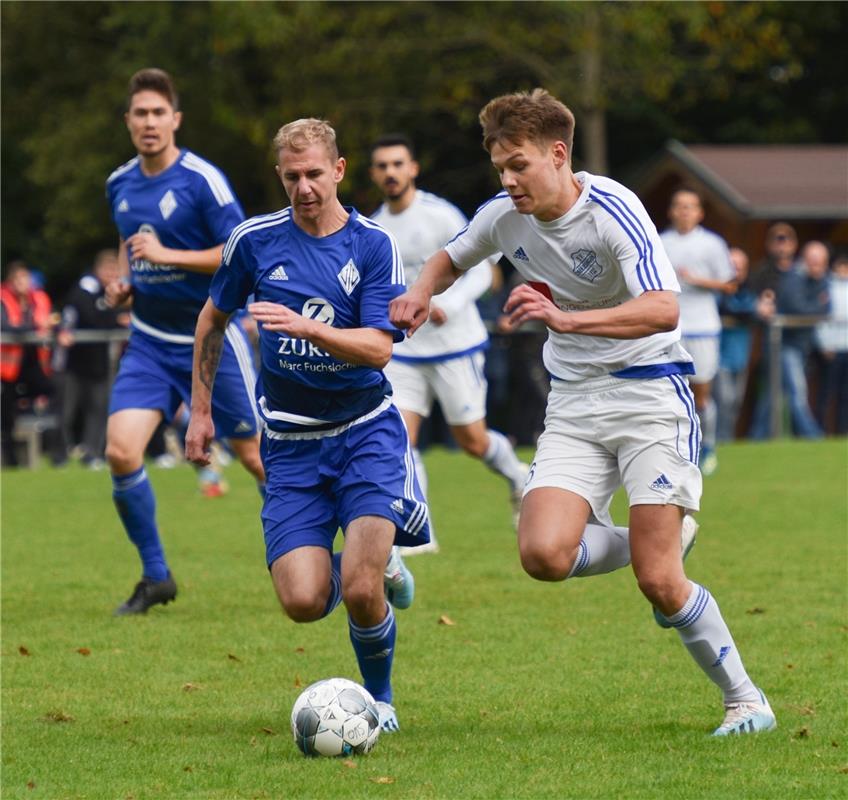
<point>220,219</point>
<point>382,282</point>
<point>232,284</point>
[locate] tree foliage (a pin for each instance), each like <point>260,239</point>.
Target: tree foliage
<point>635,74</point>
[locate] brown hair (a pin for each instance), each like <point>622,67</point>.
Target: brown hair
<point>153,80</point>
<point>303,133</point>
<point>535,116</point>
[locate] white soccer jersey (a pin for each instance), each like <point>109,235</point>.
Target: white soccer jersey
<point>602,252</point>
<point>703,254</point>
<point>421,230</point>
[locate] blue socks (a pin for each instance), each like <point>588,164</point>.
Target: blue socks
<point>335,585</point>
<point>375,650</point>
<point>136,506</point>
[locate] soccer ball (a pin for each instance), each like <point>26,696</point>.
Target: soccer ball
<point>335,717</point>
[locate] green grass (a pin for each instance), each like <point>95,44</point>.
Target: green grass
<point>537,690</point>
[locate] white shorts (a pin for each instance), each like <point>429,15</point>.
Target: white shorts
<point>704,351</point>
<point>459,385</point>
<point>607,432</point>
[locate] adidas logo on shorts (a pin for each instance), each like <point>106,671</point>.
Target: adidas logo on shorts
<point>397,505</point>
<point>662,483</point>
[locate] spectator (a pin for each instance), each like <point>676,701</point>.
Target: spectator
<point>781,248</point>
<point>86,380</point>
<point>736,310</point>
<point>799,290</point>
<point>831,339</point>
<point>24,368</point>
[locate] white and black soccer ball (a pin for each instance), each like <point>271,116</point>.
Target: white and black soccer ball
<point>335,717</point>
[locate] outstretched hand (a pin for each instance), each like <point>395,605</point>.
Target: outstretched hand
<point>409,311</point>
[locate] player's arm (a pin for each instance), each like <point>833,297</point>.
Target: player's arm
<point>410,310</point>
<point>725,287</point>
<point>148,247</point>
<point>649,313</point>
<point>208,346</point>
<point>119,292</point>
<point>367,347</point>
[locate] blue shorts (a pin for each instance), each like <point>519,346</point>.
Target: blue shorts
<point>316,485</point>
<point>157,374</point>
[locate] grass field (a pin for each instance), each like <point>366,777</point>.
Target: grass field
<point>535,690</point>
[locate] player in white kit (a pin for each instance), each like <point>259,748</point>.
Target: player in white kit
<point>446,359</point>
<point>620,410</point>
<point>702,263</point>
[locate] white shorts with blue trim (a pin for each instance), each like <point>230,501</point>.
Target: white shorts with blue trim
<point>459,384</point>
<point>608,432</point>
<point>705,353</point>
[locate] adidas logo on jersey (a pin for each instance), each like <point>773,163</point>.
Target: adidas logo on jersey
<point>279,274</point>
<point>520,254</point>
<point>662,483</point>
<point>397,505</point>
<point>349,276</point>
<point>123,206</point>
<point>243,427</point>
<point>168,204</point>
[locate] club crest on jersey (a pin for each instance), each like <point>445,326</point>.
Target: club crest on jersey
<point>349,276</point>
<point>168,204</point>
<point>585,265</point>
<point>319,309</point>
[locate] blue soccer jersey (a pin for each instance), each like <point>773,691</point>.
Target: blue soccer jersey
<point>189,206</point>
<point>346,280</point>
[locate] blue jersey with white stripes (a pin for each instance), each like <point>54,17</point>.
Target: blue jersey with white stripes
<point>346,280</point>
<point>189,206</point>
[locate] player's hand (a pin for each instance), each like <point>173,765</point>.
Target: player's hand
<point>525,303</point>
<point>117,293</point>
<point>684,275</point>
<point>409,311</point>
<point>281,319</point>
<point>198,441</point>
<point>437,315</point>
<point>147,247</point>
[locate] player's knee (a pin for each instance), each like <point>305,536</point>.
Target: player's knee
<point>122,459</point>
<point>252,462</point>
<point>363,597</point>
<point>544,562</point>
<point>303,606</point>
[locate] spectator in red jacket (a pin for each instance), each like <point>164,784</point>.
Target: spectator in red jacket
<point>24,368</point>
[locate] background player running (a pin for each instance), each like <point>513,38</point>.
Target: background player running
<point>174,211</point>
<point>446,359</point>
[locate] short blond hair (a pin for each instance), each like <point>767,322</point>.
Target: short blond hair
<point>303,133</point>
<point>535,116</point>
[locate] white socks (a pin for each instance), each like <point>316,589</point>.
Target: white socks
<point>706,636</point>
<point>501,458</point>
<point>601,550</point>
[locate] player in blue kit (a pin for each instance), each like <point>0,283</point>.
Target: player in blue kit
<point>174,211</point>
<point>334,445</point>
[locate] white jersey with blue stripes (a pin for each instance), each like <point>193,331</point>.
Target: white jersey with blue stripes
<point>601,253</point>
<point>703,254</point>
<point>421,229</point>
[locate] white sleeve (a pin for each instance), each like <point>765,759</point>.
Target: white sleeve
<point>467,289</point>
<point>636,245</point>
<point>475,242</point>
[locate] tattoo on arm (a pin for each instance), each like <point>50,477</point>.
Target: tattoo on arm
<point>210,356</point>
